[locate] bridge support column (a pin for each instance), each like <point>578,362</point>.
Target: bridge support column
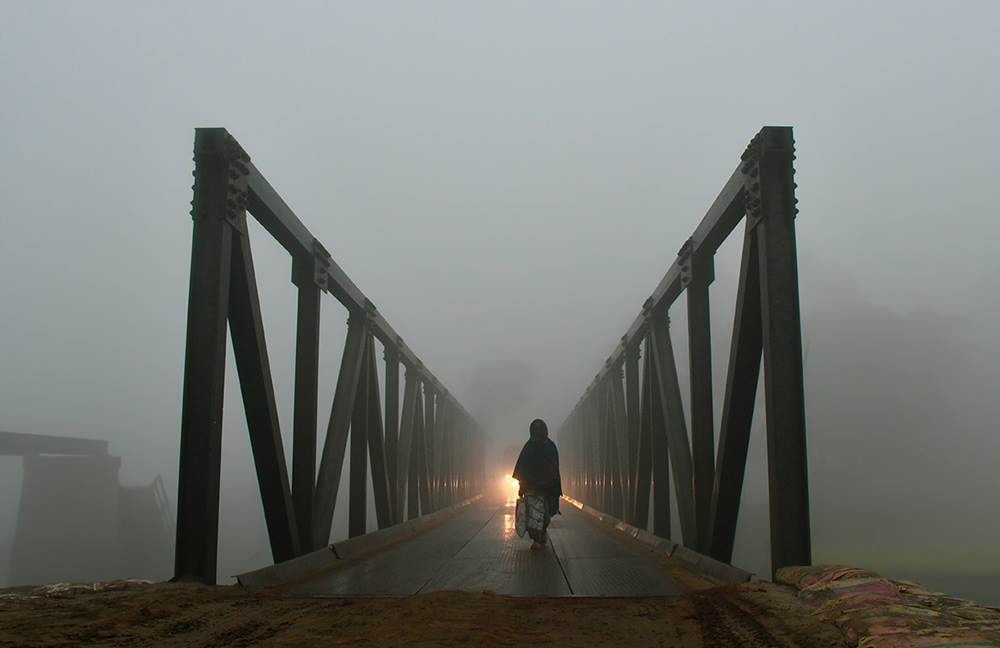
<point>306,398</point>
<point>782,338</point>
<point>700,365</point>
<point>205,357</point>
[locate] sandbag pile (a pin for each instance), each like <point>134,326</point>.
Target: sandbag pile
<point>880,613</point>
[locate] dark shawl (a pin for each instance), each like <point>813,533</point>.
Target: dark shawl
<point>537,469</point>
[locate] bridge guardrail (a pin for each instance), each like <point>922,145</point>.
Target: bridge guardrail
<point>425,456</point>
<point>621,441</point>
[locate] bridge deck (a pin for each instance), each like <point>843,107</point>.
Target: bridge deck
<point>478,550</point>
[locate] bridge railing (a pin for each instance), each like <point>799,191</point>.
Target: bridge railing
<point>623,440</point>
<point>424,455</point>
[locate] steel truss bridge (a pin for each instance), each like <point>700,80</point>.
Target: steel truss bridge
<point>622,446</point>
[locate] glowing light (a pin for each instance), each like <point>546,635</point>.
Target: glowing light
<point>510,482</point>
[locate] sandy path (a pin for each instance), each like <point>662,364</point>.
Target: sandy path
<point>752,614</point>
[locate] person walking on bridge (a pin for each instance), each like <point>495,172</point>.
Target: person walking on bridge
<point>539,483</point>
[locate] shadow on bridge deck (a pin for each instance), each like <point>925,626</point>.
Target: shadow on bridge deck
<point>478,550</point>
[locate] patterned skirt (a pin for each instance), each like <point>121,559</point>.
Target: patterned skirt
<point>538,515</point>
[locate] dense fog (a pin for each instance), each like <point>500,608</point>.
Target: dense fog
<point>508,184</point>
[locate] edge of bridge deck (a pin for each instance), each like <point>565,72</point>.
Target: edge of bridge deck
<point>704,564</point>
<point>295,568</point>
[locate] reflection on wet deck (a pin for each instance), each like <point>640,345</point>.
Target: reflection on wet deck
<point>478,550</point>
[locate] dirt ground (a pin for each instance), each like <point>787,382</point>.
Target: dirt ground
<point>754,614</point>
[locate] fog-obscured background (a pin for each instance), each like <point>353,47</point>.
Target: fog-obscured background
<point>508,183</point>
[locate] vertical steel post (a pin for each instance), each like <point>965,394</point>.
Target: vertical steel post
<point>569,440</point>
<point>405,475</point>
<point>218,197</point>
<point>448,448</point>
<point>659,447</point>
<point>594,439</point>
<point>358,476</point>
<point>454,441</point>
<point>788,484</point>
<point>632,417</point>
<point>454,453</point>
<point>432,455</point>
<point>420,497</point>
<point>576,438</point>
<point>583,454</point>
<point>644,448</point>
<point>306,397</point>
<point>621,502</point>
<point>442,445</point>
<point>392,427</point>
<point>602,394</point>
<point>612,464</point>
<point>457,459</point>
<point>700,363</point>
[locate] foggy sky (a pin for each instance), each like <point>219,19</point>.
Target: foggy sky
<point>508,183</point>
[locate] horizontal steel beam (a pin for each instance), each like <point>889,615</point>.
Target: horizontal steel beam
<point>721,219</point>
<point>280,221</point>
